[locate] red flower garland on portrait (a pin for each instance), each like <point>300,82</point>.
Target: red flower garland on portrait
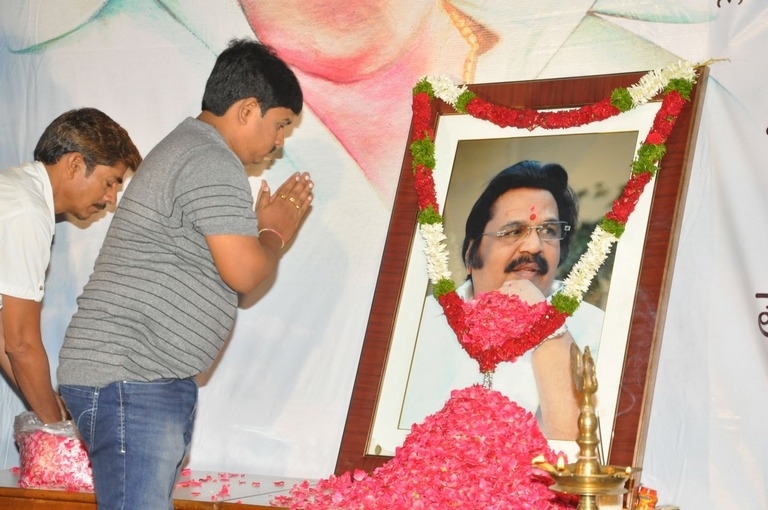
<point>625,204</point>
<point>507,344</point>
<point>425,188</point>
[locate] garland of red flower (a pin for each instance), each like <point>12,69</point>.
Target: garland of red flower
<point>644,167</point>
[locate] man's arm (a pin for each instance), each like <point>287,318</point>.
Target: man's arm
<point>24,359</point>
<point>558,398</point>
<point>243,262</point>
<point>551,362</point>
<point>5,363</point>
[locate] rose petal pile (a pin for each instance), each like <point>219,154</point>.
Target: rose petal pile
<point>500,327</point>
<point>475,453</point>
<point>53,461</point>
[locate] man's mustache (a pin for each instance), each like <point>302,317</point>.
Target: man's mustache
<point>272,154</point>
<point>542,267</point>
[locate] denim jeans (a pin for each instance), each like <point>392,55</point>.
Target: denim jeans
<point>137,436</point>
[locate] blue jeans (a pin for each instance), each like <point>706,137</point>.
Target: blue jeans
<point>137,435</point>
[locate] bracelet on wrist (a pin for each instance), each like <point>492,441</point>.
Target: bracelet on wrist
<point>279,236</point>
<point>557,334</point>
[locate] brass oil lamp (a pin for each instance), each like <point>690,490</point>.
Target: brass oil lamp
<point>587,477</point>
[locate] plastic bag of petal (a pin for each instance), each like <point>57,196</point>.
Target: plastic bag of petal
<point>52,455</point>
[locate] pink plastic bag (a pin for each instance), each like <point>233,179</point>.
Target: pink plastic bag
<point>52,456</point>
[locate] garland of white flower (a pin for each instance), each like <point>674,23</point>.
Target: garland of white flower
<point>436,251</point>
<point>583,272</point>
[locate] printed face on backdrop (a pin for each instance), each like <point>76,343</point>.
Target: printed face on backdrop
<point>531,257</point>
<point>349,39</point>
<point>357,62</point>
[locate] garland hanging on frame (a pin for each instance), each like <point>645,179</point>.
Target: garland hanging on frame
<point>493,346</point>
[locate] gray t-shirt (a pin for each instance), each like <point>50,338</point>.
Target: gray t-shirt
<point>155,306</point>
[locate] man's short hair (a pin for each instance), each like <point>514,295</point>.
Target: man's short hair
<point>250,69</point>
<point>92,133</point>
<point>525,174</point>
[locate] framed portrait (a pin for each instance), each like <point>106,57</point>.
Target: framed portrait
<point>406,375</point>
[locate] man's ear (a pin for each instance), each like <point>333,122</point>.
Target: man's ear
<point>248,108</point>
<point>73,163</point>
<point>472,258</point>
<point>467,265</point>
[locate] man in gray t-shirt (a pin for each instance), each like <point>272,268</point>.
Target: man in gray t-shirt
<point>184,241</point>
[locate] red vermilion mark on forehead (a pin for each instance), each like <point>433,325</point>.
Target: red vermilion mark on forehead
<point>533,213</point>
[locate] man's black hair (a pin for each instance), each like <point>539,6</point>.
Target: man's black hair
<point>526,174</point>
<point>250,69</point>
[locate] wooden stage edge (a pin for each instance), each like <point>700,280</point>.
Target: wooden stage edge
<point>196,490</point>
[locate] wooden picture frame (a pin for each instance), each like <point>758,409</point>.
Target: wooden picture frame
<point>643,338</point>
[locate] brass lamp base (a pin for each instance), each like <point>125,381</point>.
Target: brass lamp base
<point>586,478</point>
